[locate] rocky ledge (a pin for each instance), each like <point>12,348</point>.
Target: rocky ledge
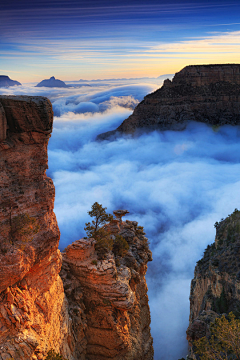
<point>97,309</point>
<point>215,289</point>
<point>204,93</point>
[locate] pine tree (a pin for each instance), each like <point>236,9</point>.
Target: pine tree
<point>224,343</point>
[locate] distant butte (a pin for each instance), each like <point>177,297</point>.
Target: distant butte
<point>203,93</point>
<point>5,81</point>
<point>52,82</point>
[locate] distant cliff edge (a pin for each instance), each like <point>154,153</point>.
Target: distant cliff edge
<point>204,93</point>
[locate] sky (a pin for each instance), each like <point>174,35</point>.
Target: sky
<point>74,40</point>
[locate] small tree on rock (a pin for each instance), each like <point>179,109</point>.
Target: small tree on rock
<point>95,229</point>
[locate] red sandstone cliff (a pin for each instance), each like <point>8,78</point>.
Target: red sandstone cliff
<point>114,295</point>
<point>204,93</point>
<point>33,308</point>
<point>102,310</point>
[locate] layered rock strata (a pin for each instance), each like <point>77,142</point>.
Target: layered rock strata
<point>204,93</point>
<point>33,307</point>
<point>100,309</point>
<point>113,293</point>
<point>215,288</point>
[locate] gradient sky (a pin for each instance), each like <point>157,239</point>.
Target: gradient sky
<point>113,39</point>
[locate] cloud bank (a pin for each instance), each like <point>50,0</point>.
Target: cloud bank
<point>175,184</point>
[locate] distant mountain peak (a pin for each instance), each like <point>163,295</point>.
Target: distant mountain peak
<point>52,82</point>
<point>5,81</point>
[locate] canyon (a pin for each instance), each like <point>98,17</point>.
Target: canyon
<point>202,93</point>
<point>79,305</point>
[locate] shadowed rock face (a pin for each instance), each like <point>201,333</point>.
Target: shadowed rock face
<point>204,93</point>
<point>100,309</point>
<point>5,81</point>
<point>215,288</point>
<point>52,82</point>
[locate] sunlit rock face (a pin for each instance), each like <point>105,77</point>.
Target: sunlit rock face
<point>113,293</point>
<point>33,308</point>
<point>100,308</point>
<point>215,288</point>
<point>204,93</point>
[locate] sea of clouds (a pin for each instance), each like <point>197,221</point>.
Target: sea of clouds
<point>175,184</point>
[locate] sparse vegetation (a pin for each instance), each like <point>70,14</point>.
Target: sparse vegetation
<point>21,228</point>
<point>224,343</point>
<point>96,230</point>
<point>120,246</point>
<point>220,305</point>
<point>52,355</point>
<point>100,216</point>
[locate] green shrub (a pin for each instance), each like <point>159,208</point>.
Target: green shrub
<point>52,355</point>
<point>120,246</point>
<point>224,342</point>
<point>21,227</point>
<point>94,262</point>
<point>104,243</point>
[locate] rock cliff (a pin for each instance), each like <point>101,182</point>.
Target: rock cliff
<point>215,288</point>
<point>113,293</point>
<point>97,309</point>
<point>204,93</point>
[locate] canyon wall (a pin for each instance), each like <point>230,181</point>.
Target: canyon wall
<point>33,308</point>
<point>215,288</point>
<point>97,309</point>
<point>204,93</point>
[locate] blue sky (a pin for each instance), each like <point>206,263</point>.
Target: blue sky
<point>112,39</point>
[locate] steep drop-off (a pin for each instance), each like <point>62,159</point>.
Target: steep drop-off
<point>204,93</point>
<point>215,288</point>
<point>100,308</point>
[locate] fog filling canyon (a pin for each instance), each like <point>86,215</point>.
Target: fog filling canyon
<point>175,184</point>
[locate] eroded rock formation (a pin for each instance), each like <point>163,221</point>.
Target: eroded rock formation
<point>100,309</point>
<point>114,295</point>
<point>204,93</point>
<point>215,288</point>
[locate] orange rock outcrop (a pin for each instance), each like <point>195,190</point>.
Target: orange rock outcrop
<point>114,295</point>
<point>100,308</point>
<point>33,307</point>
